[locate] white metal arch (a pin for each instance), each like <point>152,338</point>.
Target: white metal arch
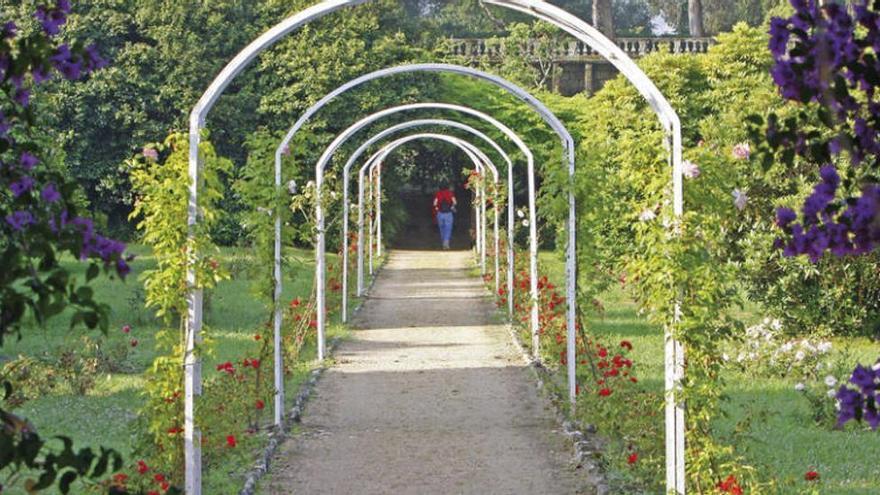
<point>568,150</point>
<point>674,353</point>
<point>397,128</point>
<point>376,163</point>
<point>366,121</point>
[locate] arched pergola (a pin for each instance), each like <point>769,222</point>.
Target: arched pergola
<point>568,150</point>
<point>370,119</point>
<point>395,129</point>
<point>674,353</point>
<point>392,130</point>
<point>375,162</point>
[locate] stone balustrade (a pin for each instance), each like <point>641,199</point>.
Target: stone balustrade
<point>575,51</point>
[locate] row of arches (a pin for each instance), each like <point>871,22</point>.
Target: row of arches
<point>674,354</point>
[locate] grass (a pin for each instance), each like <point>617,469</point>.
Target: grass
<point>780,438</point>
<point>106,415</point>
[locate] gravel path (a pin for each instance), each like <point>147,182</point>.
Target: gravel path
<point>429,396</point>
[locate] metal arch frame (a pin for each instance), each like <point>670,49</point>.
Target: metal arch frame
<point>375,163</point>
<point>351,130</point>
<point>568,149</point>
<point>674,352</point>
<point>391,130</point>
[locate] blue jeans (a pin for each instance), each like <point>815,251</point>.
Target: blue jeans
<point>444,221</point>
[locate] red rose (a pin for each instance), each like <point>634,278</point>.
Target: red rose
<point>632,458</point>
<point>295,303</point>
<point>626,345</point>
<point>119,478</point>
<point>260,404</point>
<point>257,337</point>
<point>811,476</point>
<point>603,353</point>
<point>134,342</point>
<point>230,441</point>
<point>159,477</point>
<point>142,467</point>
<point>605,392</point>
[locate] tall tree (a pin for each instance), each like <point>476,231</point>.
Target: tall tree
<point>603,17</point>
<point>695,18</point>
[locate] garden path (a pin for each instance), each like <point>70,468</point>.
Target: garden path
<point>429,396</point>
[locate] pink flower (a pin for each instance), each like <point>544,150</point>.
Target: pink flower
<point>690,169</point>
<point>126,329</point>
<point>742,151</point>
<point>150,154</point>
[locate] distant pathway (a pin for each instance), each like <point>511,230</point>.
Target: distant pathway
<point>428,397</point>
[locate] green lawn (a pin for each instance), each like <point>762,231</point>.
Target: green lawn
<point>106,415</point>
<point>782,441</point>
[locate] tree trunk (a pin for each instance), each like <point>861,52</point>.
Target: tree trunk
<point>602,17</point>
<point>695,18</point>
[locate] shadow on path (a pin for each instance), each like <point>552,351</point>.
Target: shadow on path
<point>429,396</point>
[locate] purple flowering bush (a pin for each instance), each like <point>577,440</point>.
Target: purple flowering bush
<point>861,400</point>
<point>825,59</point>
<point>40,221</point>
<point>40,217</point>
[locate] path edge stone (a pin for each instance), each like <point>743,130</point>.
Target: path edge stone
<point>587,445</point>
<point>276,436</point>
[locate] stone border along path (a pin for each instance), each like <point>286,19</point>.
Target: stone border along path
<point>429,396</point>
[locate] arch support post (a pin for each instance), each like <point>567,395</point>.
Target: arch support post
<point>192,365</point>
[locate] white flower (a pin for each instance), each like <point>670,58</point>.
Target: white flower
<point>818,366</point>
<point>525,223</point>
<point>824,347</point>
<point>786,347</point>
<point>800,356</point>
<point>647,215</point>
<point>725,357</point>
<point>800,387</point>
<point>291,186</point>
<point>740,199</point>
<point>830,381</point>
<point>876,367</point>
<point>520,213</point>
<point>776,325</point>
<point>690,169</point>
<point>832,393</point>
<point>310,184</point>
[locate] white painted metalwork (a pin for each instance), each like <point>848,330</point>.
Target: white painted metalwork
<point>374,163</point>
<point>483,160</point>
<point>345,135</point>
<point>539,9</point>
<point>346,198</point>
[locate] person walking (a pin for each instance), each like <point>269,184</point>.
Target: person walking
<point>444,205</point>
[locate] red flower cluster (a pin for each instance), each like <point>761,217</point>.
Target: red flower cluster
<point>227,367</point>
<point>252,363</point>
<point>730,486</point>
<point>811,476</point>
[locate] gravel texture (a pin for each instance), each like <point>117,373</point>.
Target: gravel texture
<point>429,396</point>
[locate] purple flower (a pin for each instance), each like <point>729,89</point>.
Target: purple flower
<point>40,75</point>
<point>20,219</point>
<point>864,378</point>
<point>784,217</point>
<point>779,36</point>
<point>690,169</point>
<point>50,194</point>
<point>9,30</point>
<point>23,97</point>
<point>52,18</point>
<point>21,186</point>
<point>28,161</point>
